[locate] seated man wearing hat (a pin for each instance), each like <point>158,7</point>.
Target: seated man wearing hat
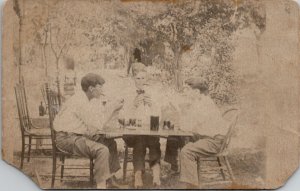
<point>78,124</point>
<point>205,121</point>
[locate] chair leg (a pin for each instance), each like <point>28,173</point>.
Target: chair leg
<point>229,169</point>
<point>22,152</point>
<point>178,160</point>
<point>220,165</point>
<point>91,171</point>
<point>198,171</point>
<point>125,163</point>
<point>29,149</point>
<point>53,170</point>
<point>62,168</point>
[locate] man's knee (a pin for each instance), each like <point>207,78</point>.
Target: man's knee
<point>186,149</point>
<point>112,143</point>
<point>153,140</point>
<point>102,150</point>
<point>153,143</point>
<point>183,151</point>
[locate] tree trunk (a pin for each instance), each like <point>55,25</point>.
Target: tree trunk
<point>57,80</point>
<point>20,47</point>
<point>57,67</point>
<point>45,61</point>
<point>127,59</point>
<point>178,70</point>
<point>17,9</point>
<point>58,90</point>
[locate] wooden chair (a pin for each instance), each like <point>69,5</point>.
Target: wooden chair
<point>222,169</point>
<point>43,91</point>
<point>59,99</point>
<point>128,157</point>
<point>53,101</point>
<point>69,85</point>
<point>29,131</point>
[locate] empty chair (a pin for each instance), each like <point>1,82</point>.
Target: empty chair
<point>29,131</point>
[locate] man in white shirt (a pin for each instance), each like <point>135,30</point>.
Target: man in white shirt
<point>141,109</point>
<point>203,118</point>
<point>78,125</point>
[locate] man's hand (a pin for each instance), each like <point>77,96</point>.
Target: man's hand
<point>196,137</point>
<point>138,100</point>
<point>118,105</point>
<point>147,100</point>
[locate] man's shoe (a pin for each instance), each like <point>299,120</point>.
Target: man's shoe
<point>184,185</point>
<point>156,186</point>
<point>113,184</point>
<point>174,173</point>
<point>101,185</point>
<point>174,167</point>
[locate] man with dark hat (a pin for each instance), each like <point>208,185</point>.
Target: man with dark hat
<point>76,125</point>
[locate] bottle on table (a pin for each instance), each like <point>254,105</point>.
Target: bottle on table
<point>154,123</point>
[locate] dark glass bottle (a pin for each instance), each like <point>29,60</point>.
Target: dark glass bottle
<point>41,109</point>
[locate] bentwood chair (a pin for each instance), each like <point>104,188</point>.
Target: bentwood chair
<point>52,100</point>
<point>217,167</point>
<point>29,132</point>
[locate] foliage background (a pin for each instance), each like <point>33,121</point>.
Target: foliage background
<point>179,39</point>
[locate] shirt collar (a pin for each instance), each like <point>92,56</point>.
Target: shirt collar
<point>83,96</point>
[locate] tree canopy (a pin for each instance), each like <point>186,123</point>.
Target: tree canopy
<point>108,31</point>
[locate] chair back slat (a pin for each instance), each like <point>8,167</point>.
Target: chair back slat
<point>23,107</point>
<point>43,91</point>
<point>53,108</point>
<point>20,111</point>
<point>23,112</point>
<point>232,125</point>
<point>25,97</point>
<point>53,103</point>
<point>55,92</point>
<point>59,98</point>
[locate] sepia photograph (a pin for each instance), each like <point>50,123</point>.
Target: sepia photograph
<point>151,94</point>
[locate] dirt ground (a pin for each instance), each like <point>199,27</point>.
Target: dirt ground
<point>247,166</point>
